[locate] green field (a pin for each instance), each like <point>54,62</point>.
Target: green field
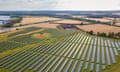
<point>63,51</point>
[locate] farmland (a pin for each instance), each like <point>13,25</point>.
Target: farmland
<point>100,28</point>
<point>60,51</point>
<point>82,22</point>
<point>68,21</point>
<point>36,19</point>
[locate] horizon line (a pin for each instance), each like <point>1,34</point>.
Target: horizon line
<point>59,10</point>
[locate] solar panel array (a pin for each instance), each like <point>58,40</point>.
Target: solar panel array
<point>78,52</point>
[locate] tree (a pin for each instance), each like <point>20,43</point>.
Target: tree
<point>98,33</point>
<point>91,32</point>
<point>17,29</point>
<point>109,35</point>
<point>81,23</point>
<point>118,34</point>
<point>103,34</point>
<point>112,34</point>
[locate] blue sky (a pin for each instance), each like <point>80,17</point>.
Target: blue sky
<point>59,4</point>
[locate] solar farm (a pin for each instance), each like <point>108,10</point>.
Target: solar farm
<point>63,51</point>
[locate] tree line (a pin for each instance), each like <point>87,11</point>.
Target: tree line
<point>109,35</point>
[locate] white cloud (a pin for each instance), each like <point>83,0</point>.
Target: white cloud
<point>89,4</point>
<point>60,4</point>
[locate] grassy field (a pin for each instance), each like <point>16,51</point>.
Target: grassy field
<point>62,51</point>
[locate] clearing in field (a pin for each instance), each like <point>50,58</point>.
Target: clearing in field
<point>42,35</point>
